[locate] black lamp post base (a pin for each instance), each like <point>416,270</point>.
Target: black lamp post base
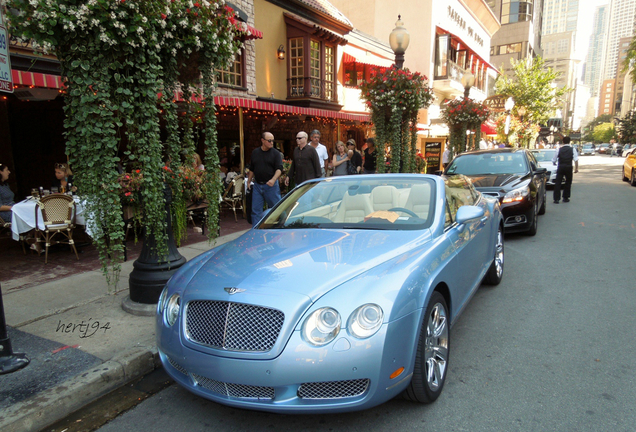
<point>13,363</point>
<point>147,280</point>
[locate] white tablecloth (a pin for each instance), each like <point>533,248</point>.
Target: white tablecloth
<point>23,216</point>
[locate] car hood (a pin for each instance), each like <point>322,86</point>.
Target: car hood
<point>500,181</point>
<point>307,262</point>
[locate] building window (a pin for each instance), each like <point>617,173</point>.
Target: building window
<point>513,11</point>
<point>330,71</point>
<point>354,74</point>
<point>296,66</point>
<point>510,48</point>
<point>562,46</point>
<point>233,76</point>
<point>314,67</point>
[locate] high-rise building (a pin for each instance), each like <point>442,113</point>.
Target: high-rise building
<point>621,75</point>
<point>596,51</point>
<point>606,97</point>
<point>559,16</point>
<point>622,18</point>
<point>520,33</point>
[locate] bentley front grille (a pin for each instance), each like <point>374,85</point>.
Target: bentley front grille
<point>234,390</point>
<point>333,389</point>
<point>233,326</point>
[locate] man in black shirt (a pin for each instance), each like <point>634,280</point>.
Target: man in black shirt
<point>266,166</point>
<point>305,162</point>
<point>565,156</point>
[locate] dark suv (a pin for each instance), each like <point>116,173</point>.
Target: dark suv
<point>514,177</point>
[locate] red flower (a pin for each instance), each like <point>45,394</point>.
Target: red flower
<point>197,4</point>
<point>164,16</point>
<point>138,171</point>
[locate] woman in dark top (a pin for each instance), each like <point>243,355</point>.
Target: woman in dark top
<point>6,194</point>
<point>369,157</point>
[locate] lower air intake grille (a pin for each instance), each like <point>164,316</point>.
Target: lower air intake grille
<point>333,389</point>
<point>240,391</point>
<point>177,366</point>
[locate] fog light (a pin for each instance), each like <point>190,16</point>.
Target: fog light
<point>518,219</point>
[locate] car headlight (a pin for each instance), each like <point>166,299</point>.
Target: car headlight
<point>365,321</point>
<point>171,312</point>
<point>516,194</point>
<point>322,326</point>
<point>162,299</point>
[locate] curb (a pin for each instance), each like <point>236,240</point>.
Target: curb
<point>56,403</point>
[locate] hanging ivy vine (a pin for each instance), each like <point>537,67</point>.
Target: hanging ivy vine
<point>395,97</point>
<point>461,115</point>
<point>117,57</point>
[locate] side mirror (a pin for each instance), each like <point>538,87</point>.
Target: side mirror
<point>541,171</point>
<point>467,213</point>
<point>439,172</point>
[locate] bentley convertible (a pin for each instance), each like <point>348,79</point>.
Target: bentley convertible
<point>341,298</point>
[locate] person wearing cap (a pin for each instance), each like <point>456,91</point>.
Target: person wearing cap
<point>354,155</point>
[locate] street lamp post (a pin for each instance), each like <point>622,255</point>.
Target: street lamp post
<point>468,80</point>
<point>399,40</point>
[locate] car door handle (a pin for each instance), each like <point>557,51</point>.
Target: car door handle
<point>484,219</point>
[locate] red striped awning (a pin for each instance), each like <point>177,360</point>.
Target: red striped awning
<point>253,33</point>
<point>36,79</point>
<point>367,60</point>
<point>280,108</point>
<point>489,127</point>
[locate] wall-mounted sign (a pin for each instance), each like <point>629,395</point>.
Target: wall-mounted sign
<point>6,80</point>
<point>461,22</point>
<point>496,103</point>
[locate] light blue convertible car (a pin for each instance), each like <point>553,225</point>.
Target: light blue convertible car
<point>340,299</point>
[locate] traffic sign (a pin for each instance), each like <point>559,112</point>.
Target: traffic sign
<point>6,80</point>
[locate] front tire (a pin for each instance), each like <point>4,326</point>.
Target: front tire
<point>495,272</point>
<point>542,209</point>
<point>633,179</point>
<point>431,358</point>
<point>535,222</point>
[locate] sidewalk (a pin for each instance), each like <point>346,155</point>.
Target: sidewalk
<point>80,341</point>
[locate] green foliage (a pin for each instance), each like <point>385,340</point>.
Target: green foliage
<point>604,118</point>
<point>604,133</point>
<point>627,129</point>
<point>394,97</point>
<point>531,87</point>
<point>117,56</point>
<point>461,115</point>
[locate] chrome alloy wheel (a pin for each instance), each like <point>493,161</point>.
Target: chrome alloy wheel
<point>499,253</point>
<point>436,348</point>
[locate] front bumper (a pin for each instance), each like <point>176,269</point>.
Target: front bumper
<point>346,375</point>
<point>517,216</point>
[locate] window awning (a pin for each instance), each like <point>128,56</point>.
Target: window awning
<point>253,33</point>
<point>489,127</point>
<point>460,40</point>
<point>36,79</point>
<point>368,59</point>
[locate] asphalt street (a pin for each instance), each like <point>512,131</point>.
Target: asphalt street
<point>549,349</point>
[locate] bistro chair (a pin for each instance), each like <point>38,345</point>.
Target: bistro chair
<point>58,217</point>
<point>233,196</point>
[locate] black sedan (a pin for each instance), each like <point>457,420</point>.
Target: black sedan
<point>514,177</point>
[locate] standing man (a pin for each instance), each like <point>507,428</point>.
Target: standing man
<point>305,163</point>
<point>369,157</point>
<point>564,156</point>
<point>613,146</point>
<point>266,166</point>
<point>323,154</point>
<point>446,157</point>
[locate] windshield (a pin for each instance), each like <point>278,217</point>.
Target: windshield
<point>543,155</point>
<point>377,202</point>
<point>587,146</point>
<point>488,163</point>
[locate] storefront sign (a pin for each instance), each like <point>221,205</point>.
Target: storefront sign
<point>461,22</point>
<point>496,103</point>
<point>6,80</point>
<point>433,154</point>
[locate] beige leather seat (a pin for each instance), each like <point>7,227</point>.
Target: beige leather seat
<point>384,198</point>
<point>419,200</point>
<point>353,208</point>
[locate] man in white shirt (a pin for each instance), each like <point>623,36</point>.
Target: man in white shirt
<point>565,156</point>
<point>323,154</point>
<point>446,157</point>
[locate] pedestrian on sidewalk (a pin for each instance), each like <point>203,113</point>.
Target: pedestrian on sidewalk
<point>6,194</point>
<point>323,154</point>
<point>305,162</point>
<point>613,146</point>
<point>266,166</point>
<point>565,156</point>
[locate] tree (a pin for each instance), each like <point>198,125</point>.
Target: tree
<point>531,86</point>
<point>627,128</point>
<point>604,118</point>
<point>630,59</point>
<point>604,133</point>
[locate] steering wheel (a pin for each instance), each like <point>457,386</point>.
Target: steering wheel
<point>403,210</point>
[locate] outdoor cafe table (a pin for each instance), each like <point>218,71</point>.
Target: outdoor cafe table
<point>23,216</point>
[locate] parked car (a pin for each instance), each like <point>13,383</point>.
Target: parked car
<point>627,149</point>
<point>544,158</point>
<point>629,169</point>
<point>513,177</point>
<point>603,148</point>
<point>340,299</point>
<point>588,149</point>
